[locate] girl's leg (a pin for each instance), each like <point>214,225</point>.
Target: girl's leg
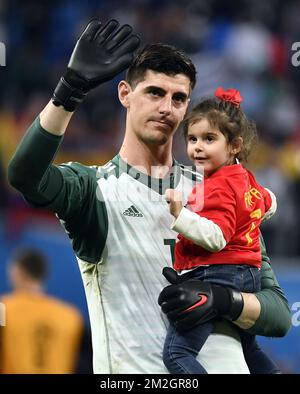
<point>258,362</point>
<point>181,349</point>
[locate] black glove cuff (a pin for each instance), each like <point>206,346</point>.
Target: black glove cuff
<point>67,96</point>
<point>228,302</point>
<point>237,305</point>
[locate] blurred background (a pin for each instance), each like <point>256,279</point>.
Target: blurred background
<point>245,45</point>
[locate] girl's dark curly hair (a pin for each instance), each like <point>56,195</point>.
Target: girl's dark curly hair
<point>229,119</point>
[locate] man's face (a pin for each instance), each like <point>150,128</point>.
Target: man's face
<point>156,106</point>
<point>16,275</point>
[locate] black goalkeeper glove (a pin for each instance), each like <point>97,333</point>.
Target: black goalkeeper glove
<point>101,53</point>
<point>192,302</point>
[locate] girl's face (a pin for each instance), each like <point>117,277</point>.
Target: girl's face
<point>207,147</point>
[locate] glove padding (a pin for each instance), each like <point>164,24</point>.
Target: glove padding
<point>192,302</point>
<point>101,53</point>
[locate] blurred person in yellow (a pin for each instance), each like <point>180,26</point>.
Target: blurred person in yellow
<point>42,334</point>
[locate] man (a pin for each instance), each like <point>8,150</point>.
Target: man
<point>115,215</point>
<point>42,334</point>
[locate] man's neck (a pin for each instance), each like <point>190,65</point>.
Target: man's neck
<point>30,287</point>
<point>156,160</point>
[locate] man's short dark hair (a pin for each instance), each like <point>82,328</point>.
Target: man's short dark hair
<point>160,58</point>
<point>33,262</point>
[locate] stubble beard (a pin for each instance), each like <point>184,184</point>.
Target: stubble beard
<point>152,139</point>
<point>155,137</point>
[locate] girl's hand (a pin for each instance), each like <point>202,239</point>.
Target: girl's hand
<point>174,199</point>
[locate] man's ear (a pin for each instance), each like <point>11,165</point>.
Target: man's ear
<point>123,91</point>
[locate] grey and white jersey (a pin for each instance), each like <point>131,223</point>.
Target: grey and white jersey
<point>121,235</point>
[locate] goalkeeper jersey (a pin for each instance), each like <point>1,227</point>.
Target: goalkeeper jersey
<point>119,225</point>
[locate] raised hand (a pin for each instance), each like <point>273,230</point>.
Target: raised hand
<point>100,53</point>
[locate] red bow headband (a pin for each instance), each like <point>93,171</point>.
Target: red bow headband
<point>231,95</point>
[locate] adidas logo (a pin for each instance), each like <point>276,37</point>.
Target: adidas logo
<point>132,211</point>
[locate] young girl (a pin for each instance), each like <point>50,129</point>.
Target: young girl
<point>219,234</point>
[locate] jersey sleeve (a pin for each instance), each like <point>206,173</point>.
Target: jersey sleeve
<point>201,231</point>
<point>81,207</point>
<point>271,204</point>
<point>61,189</point>
<point>74,190</point>
<point>69,190</point>
<point>30,170</point>
<point>275,316</point>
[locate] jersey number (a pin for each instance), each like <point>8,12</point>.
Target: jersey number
<point>171,242</point>
<point>254,215</point>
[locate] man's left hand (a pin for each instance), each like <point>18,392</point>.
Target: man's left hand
<point>192,302</point>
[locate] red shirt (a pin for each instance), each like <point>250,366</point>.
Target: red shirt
<point>236,203</point>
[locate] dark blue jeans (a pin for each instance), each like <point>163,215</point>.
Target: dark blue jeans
<point>181,349</point>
